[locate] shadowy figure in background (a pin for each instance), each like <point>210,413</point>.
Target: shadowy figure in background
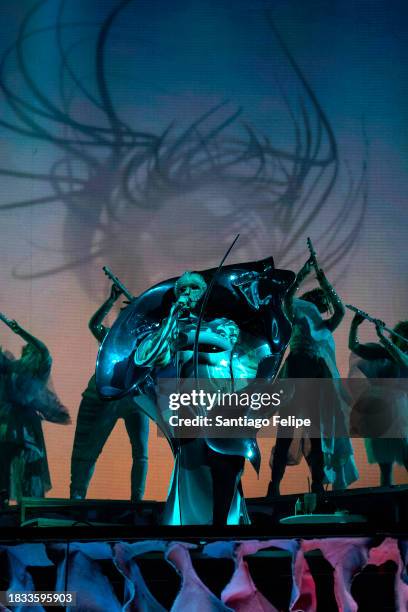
<point>25,400</point>
<point>389,359</point>
<point>96,420</point>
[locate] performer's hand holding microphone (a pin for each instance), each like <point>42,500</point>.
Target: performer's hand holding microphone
<point>181,306</point>
<point>185,301</point>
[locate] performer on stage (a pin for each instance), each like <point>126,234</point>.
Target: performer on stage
<point>389,359</point>
<point>233,328</point>
<point>312,355</point>
<point>96,420</point>
<point>24,401</point>
<point>204,476</point>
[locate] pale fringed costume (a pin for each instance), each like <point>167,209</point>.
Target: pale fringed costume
<point>373,361</point>
<point>25,400</point>
<point>313,355</point>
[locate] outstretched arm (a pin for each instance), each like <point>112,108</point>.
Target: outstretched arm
<point>44,361</point>
<point>300,277</point>
<point>338,308</point>
<point>95,322</point>
<point>354,344</point>
<point>25,335</point>
<point>365,351</point>
<point>399,356</point>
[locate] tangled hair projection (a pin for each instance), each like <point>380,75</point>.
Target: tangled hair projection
<point>105,166</point>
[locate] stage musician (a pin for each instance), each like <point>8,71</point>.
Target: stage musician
<point>386,360</point>
<point>208,481</point>
<point>312,355</point>
<point>25,400</point>
<point>97,418</point>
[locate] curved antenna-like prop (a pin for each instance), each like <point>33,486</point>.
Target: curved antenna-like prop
<point>203,307</point>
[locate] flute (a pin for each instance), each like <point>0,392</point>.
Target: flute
<point>313,256</point>
<point>5,319</point>
<point>368,317</point>
<point>118,283</point>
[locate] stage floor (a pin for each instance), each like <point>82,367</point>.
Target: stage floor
<point>370,511</point>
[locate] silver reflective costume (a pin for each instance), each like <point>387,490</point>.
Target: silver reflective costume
<point>247,296</point>
<point>192,473</point>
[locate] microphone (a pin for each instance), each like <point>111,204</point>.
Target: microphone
<point>184,302</point>
<point>180,305</point>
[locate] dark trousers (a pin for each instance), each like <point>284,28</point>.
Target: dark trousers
<point>96,420</point>
<point>301,365</point>
<point>315,460</point>
<point>226,473</point>
<point>7,453</point>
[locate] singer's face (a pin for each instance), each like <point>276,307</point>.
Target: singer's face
<point>191,292</point>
